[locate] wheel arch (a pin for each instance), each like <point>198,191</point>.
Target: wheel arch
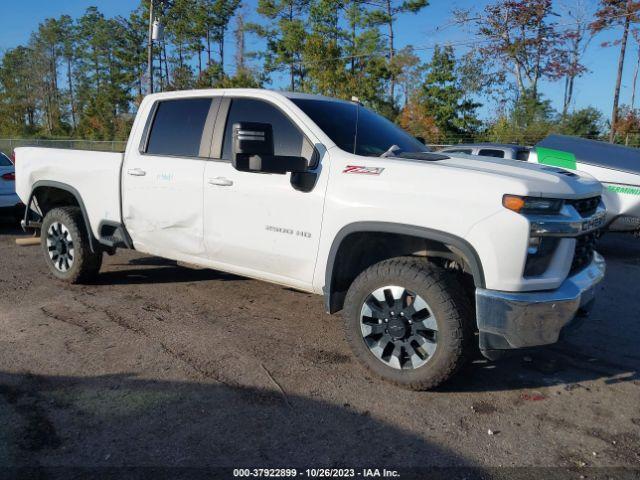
<point>50,194</point>
<point>394,239</point>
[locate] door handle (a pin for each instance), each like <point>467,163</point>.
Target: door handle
<point>220,181</point>
<point>136,172</point>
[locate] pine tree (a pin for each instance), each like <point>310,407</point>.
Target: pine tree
<point>386,12</point>
<point>285,36</point>
<point>442,99</point>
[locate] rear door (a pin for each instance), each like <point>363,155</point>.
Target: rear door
<point>162,180</point>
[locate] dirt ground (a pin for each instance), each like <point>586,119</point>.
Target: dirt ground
<point>158,364</point>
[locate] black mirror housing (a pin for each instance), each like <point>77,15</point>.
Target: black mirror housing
<point>253,151</point>
<point>252,138</point>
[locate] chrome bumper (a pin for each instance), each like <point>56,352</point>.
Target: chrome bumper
<point>509,320</point>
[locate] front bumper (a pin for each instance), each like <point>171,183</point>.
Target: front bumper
<point>508,320</point>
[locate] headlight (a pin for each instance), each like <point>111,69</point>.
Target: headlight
<point>543,206</point>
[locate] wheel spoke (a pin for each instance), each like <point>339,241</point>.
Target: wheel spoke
<point>395,356</point>
<point>422,345</point>
<point>372,327</point>
<point>377,346</point>
<point>406,299</point>
<point>389,295</point>
<point>428,323</point>
<point>372,308</point>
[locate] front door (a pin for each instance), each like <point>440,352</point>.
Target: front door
<point>260,223</point>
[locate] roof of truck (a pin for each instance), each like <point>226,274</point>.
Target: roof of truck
<point>244,91</point>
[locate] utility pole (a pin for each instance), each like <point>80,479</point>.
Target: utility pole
<point>150,47</point>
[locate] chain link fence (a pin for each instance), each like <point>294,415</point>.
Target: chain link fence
<point>8,144</point>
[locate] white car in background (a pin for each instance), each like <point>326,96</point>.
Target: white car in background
<point>10,204</point>
<point>615,166</point>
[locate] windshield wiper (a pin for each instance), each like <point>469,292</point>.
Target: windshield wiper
<point>391,152</point>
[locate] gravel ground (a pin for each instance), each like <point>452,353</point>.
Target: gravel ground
<point>158,364</point>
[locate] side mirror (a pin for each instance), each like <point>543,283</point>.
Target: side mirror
<point>253,151</point>
<point>252,138</point>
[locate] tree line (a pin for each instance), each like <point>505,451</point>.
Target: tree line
<point>84,77</point>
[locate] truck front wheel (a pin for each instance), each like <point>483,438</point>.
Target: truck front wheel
<point>409,322</point>
<point>66,246</point>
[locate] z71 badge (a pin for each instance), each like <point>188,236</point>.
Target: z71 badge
<point>363,170</point>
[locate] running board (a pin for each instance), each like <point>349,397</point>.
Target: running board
<point>114,235</point>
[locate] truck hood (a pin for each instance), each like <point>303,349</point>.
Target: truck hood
<point>541,180</point>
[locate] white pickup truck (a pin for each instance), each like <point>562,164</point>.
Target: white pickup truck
<point>420,250</point>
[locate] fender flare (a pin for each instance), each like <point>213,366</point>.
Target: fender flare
<point>470,255</point>
<point>72,191</point>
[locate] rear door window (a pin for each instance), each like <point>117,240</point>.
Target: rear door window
<point>178,126</point>
<point>522,155</point>
<point>489,152</point>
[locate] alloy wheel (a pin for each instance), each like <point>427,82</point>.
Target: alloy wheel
<point>60,246</point>
<point>398,327</point>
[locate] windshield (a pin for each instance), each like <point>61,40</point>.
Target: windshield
<point>357,130</point>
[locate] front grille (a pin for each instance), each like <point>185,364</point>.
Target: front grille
<point>586,206</point>
<point>585,246</point>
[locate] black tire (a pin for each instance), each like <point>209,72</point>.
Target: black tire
<point>446,301</point>
<point>83,265</point>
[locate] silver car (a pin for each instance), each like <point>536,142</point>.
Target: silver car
<point>498,150</point>
<point>10,204</point>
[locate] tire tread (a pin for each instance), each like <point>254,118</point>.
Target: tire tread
<point>450,297</point>
<point>88,262</point>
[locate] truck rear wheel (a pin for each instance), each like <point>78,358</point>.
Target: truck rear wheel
<point>66,246</point>
<point>409,322</point>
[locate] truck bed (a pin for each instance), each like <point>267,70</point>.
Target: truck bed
<point>94,175</point>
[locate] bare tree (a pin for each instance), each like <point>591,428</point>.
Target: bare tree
<point>386,12</point>
<point>611,14</point>
<point>521,37</point>
<point>577,40</point>
<point>240,43</point>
